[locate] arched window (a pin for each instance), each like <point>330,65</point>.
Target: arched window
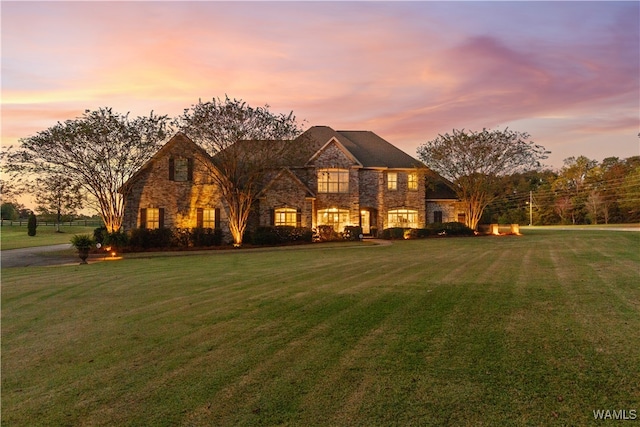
<point>404,218</point>
<point>285,216</point>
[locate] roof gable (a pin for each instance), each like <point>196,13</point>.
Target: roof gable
<point>366,148</point>
<point>286,174</point>
<point>333,142</point>
<point>175,141</point>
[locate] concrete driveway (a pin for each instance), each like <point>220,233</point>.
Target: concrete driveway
<point>37,256</point>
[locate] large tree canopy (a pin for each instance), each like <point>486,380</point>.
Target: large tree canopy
<point>100,151</point>
<point>475,161</point>
<point>245,143</point>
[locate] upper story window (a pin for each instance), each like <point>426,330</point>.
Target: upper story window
<point>333,180</point>
<point>412,181</point>
<point>180,169</point>
<point>392,180</point>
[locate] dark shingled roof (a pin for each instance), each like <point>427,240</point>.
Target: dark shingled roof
<point>367,147</point>
<point>439,188</point>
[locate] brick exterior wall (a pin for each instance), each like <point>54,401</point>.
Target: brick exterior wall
<point>285,192</point>
<point>152,188</point>
<point>295,188</point>
<point>333,157</point>
<point>449,208</point>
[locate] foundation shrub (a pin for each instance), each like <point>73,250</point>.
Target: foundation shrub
<point>452,229</point>
<point>281,235</point>
<point>393,233</point>
<point>435,229</point>
<point>99,233</point>
<point>117,240</point>
<point>202,237</point>
<point>326,233</point>
<point>352,232</point>
<point>142,238</point>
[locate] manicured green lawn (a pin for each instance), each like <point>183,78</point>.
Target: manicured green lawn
<point>540,329</point>
<point>14,236</point>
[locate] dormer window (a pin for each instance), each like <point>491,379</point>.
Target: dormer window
<point>333,180</point>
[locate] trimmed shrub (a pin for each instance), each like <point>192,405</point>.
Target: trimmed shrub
<point>435,229</point>
<point>281,234</point>
<point>301,234</point>
<point>265,236</point>
<point>117,240</point>
<point>32,224</point>
<point>326,233</point>
<point>450,229</point>
<point>393,233</point>
<point>142,238</point>
<point>352,232</point>
<point>204,237</point>
<point>99,234</point>
<point>421,233</point>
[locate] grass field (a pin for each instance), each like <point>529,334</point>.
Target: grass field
<point>540,329</point>
<point>14,236</point>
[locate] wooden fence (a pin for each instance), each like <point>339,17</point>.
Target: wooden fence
<point>78,222</point>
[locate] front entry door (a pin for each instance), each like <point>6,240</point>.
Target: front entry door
<point>365,222</point>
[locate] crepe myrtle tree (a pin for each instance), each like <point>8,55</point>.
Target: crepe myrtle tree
<point>245,144</point>
<point>476,161</point>
<point>98,151</point>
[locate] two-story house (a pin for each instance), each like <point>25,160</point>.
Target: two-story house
<point>336,178</point>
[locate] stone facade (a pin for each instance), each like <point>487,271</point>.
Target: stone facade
<point>361,195</point>
<point>449,210</point>
<point>153,187</point>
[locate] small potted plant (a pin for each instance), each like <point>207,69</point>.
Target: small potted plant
<point>83,243</point>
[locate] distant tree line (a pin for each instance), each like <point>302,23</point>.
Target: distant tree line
<point>583,191</point>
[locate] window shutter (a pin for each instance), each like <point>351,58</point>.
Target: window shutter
<point>272,217</point>
<point>190,169</point>
<point>299,218</point>
<point>217,219</point>
<point>161,218</point>
<point>172,169</point>
<point>199,218</point>
<point>143,218</point>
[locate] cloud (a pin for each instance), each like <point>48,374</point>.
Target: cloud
<point>406,70</point>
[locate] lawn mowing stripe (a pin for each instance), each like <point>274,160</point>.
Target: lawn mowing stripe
<point>399,344</point>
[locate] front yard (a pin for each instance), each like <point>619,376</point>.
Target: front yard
<point>540,329</point>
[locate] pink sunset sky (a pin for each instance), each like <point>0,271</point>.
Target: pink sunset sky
<point>565,72</point>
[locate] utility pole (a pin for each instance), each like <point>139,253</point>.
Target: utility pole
<point>530,208</point>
